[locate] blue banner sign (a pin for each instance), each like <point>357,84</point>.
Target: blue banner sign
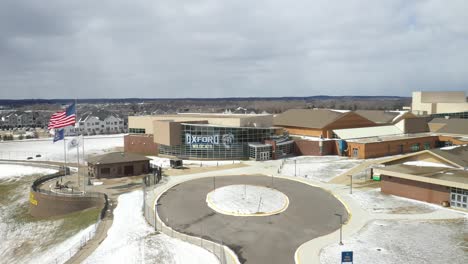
<point>346,256</point>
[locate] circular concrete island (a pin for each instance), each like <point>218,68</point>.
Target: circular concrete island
<point>247,200</point>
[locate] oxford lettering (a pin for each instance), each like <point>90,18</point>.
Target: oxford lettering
<point>195,139</point>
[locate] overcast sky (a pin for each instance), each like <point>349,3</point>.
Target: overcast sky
<point>224,48</point>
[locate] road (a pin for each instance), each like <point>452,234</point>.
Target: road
<point>256,240</point>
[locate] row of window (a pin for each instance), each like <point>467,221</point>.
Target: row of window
<point>136,130</point>
<point>416,147</point>
<point>226,142</point>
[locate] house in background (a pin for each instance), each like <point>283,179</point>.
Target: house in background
<point>97,123</point>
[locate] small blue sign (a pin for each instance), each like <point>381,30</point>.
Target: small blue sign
<point>346,256</point>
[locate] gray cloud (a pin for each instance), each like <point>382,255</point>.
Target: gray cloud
<point>211,48</point>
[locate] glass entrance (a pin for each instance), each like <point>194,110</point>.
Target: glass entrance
<point>459,198</point>
<point>264,155</point>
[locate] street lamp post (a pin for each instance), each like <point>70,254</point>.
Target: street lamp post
<point>294,167</point>
<point>341,228</point>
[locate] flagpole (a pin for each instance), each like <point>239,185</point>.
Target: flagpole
<point>77,148</point>
<point>65,153</point>
<point>85,169</point>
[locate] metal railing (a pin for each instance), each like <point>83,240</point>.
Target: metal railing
<point>75,248</point>
<point>224,254</point>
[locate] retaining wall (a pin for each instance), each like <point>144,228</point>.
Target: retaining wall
<point>46,203</point>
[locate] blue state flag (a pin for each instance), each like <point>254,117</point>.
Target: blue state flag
<point>59,135</point>
<point>71,110</point>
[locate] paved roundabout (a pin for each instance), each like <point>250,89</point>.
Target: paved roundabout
<point>255,239</point>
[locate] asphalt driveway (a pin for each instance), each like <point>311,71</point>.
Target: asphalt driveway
<point>255,239</point>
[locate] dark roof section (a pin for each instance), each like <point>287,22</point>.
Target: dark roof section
<point>417,125</point>
<point>377,116</point>
<point>116,157</point>
<point>458,155</point>
<point>309,118</point>
<point>452,125</point>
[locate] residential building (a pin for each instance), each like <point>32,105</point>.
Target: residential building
<point>96,123</point>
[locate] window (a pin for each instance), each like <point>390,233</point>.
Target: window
<point>415,147</point>
<point>427,145</point>
<point>137,130</point>
<point>355,152</point>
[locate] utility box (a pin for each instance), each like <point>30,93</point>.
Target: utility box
<point>176,163</point>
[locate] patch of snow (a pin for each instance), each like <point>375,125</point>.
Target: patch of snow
<point>132,240</point>
<point>246,199</point>
<point>97,183</point>
<point>426,164</point>
<point>21,150</point>
<point>400,113</point>
<point>318,168</point>
<point>449,147</point>
<point>165,162</point>
<point>375,201</point>
<point>14,170</point>
<point>62,252</point>
<point>311,138</point>
<point>403,241</point>
<point>340,111</point>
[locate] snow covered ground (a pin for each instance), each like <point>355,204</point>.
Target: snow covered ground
<point>375,201</point>
<point>22,149</point>
<point>165,162</point>
<point>65,250</point>
<point>24,239</point>
<point>14,170</point>
<point>404,241</point>
<point>318,168</point>
<point>131,240</point>
<point>246,200</point>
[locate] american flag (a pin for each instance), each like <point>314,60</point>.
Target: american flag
<point>63,118</point>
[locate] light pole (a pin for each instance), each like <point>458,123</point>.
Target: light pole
<point>341,228</point>
<point>294,167</point>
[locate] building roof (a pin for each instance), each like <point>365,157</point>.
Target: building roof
<point>100,114</point>
<point>451,126</point>
<point>455,154</point>
<point>365,132</point>
<point>308,118</point>
<point>218,115</point>
<point>450,177</point>
<point>390,138</point>
<point>116,157</point>
<point>416,125</point>
<point>377,116</point>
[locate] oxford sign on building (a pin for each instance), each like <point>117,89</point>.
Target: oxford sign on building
<point>208,141</point>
